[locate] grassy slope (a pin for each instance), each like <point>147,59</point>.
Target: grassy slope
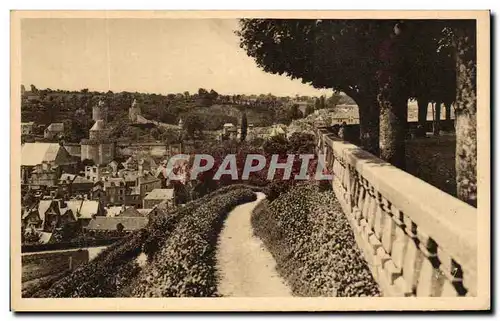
<point>179,245</point>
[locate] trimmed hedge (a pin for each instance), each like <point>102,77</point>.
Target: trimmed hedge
<point>313,244</point>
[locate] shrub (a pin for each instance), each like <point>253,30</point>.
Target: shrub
<point>185,264</point>
<point>313,244</point>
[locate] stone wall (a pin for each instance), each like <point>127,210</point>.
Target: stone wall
<point>417,240</point>
<point>42,264</point>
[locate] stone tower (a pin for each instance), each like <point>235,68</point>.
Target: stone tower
<point>134,111</point>
<point>100,112</point>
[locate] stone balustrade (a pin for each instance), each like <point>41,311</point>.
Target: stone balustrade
<point>417,240</point>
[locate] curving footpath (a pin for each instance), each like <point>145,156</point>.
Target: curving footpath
<point>245,267</point>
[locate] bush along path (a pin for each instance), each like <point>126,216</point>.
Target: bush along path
<point>313,244</point>
<point>245,267</point>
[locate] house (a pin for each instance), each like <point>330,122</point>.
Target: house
<point>81,185</point>
<point>133,197</point>
<point>44,175</point>
<point>30,217</point>
<point>344,113</point>
<point>144,211</point>
<point>277,130</point>
<point>162,173</point>
<point>119,223</point>
<point>115,190</point>
<point>65,183</point>
<point>54,130</point>
<point>110,191</point>
<point>158,196</point>
<point>55,213</point>
<point>27,128</point>
<point>95,173</point>
<point>229,130</point>
<point>123,211</point>
<point>85,210</point>
<point>146,183</point>
<point>52,154</point>
<point>114,167</point>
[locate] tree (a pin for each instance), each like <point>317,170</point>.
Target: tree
<point>309,110</point>
<point>334,54</point>
<point>322,104</point>
<point>244,127</point>
<point>464,43</point>
<point>34,90</point>
<point>213,95</point>
<point>317,104</point>
<point>333,100</point>
<point>294,112</point>
<point>193,125</point>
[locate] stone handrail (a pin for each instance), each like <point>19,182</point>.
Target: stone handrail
<point>417,240</point>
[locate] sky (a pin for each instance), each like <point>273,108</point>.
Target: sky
<point>145,55</point>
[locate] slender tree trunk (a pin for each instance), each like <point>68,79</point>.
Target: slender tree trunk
<point>393,125</point>
<point>465,115</point>
<point>369,112</point>
<point>437,119</point>
<point>447,111</point>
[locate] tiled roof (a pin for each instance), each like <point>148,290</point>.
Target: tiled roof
<point>144,211</point>
<point>110,223</point>
<point>36,153</point>
<point>114,181</point>
<point>130,212</point>
<point>67,177</point>
<point>98,125</point>
<point>56,127</point>
<point>160,194</point>
<point>86,208</point>
<point>82,180</point>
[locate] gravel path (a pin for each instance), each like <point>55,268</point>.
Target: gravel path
<point>245,267</point>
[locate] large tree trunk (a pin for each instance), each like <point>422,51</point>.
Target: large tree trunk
<point>437,119</point>
<point>465,115</point>
<point>369,112</point>
<point>423,104</point>
<point>393,125</point>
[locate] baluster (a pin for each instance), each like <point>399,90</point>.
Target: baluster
<point>360,203</point>
<point>372,209</point>
<point>469,282</point>
<point>347,185</point>
<point>430,281</point>
<point>413,257</point>
<point>378,220</point>
<point>452,273</point>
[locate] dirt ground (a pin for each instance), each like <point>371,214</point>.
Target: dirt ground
<point>245,267</point>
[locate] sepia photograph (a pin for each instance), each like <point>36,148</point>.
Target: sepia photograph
<point>250,161</point>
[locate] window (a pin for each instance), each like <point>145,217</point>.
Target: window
<point>94,170</point>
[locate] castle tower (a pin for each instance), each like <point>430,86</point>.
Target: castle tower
<point>100,112</point>
<point>99,147</point>
<point>134,111</point>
